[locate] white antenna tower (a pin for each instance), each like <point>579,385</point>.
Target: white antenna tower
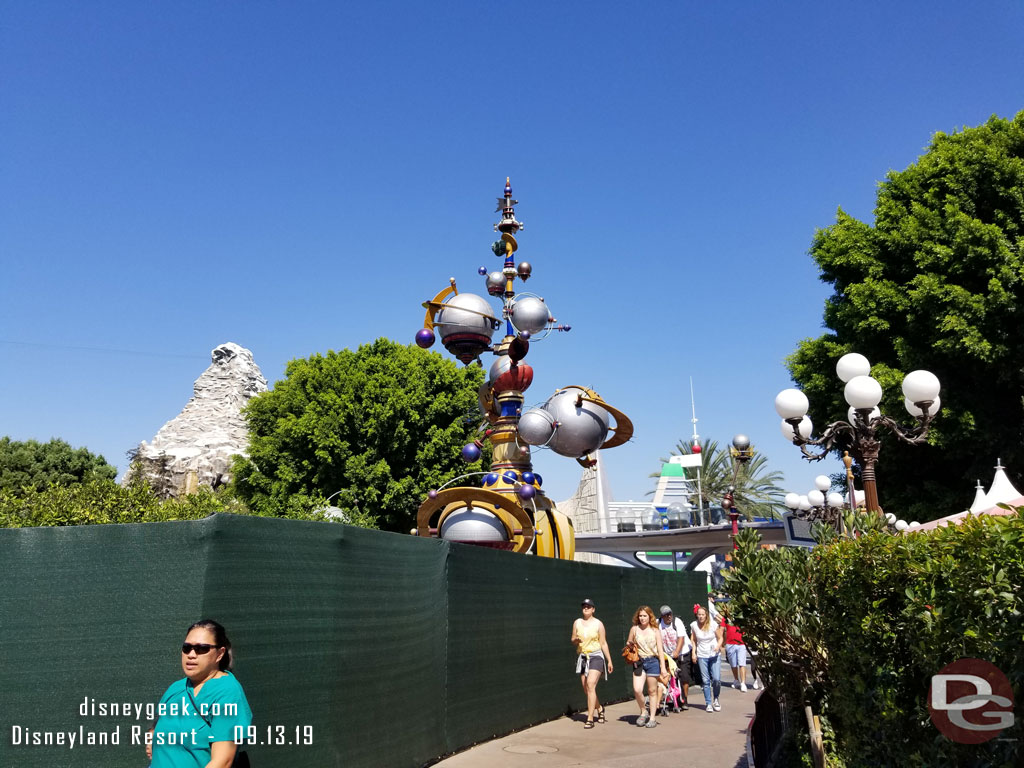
<point>696,441</point>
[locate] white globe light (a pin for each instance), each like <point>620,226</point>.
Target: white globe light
<point>804,428</point>
<point>805,503</point>
<point>914,524</point>
<point>890,518</point>
<point>792,500</point>
<point>817,498</point>
<point>852,365</point>
<point>919,386</point>
<point>835,500</point>
<point>791,404</point>
<point>913,410</point>
<point>858,498</point>
<point>851,415</point>
<point>901,525</point>
<point>863,392</point>
<point>823,482</point>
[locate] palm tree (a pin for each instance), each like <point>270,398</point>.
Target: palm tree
<point>757,491</point>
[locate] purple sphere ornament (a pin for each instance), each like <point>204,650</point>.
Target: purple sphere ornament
<point>431,494</point>
<point>424,338</point>
<point>470,453</point>
<point>525,335</point>
<point>528,478</point>
<point>481,270</point>
<point>526,491</point>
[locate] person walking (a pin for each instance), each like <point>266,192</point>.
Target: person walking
<point>652,664</point>
<point>594,658</point>
<point>735,652</point>
<point>676,642</point>
<point>706,637</point>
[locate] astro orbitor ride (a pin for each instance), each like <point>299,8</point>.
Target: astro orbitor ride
<point>510,510</point>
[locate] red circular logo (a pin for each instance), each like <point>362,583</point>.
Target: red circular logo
<point>970,701</point>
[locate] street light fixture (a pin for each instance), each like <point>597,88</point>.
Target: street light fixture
<point>817,505</point>
<point>863,394</point>
<point>741,453</point>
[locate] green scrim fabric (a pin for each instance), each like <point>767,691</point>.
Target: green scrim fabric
<point>391,650</point>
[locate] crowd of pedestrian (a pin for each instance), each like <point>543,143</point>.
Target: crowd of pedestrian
<point>666,656</point>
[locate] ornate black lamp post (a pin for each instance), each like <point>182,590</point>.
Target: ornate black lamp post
<point>741,453</point>
<point>860,432</point>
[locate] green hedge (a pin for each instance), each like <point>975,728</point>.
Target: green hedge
<point>857,627</point>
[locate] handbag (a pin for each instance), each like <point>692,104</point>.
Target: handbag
<point>630,653</point>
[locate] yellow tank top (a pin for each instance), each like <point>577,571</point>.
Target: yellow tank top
<point>590,637</point>
<point>646,642</point>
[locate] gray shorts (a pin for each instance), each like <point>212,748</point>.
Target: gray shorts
<point>585,663</point>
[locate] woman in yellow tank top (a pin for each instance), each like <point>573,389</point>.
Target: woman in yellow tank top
<point>594,657</point>
<point>647,638</point>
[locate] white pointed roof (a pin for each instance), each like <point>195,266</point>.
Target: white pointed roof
<point>1000,492</point>
<point>979,497</point>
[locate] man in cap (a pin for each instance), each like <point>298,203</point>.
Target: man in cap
<point>676,642</point>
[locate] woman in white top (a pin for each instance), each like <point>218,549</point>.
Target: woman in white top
<point>706,637</point>
<point>645,635</point>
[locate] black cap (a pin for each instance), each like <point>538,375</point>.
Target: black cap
<point>588,602</point>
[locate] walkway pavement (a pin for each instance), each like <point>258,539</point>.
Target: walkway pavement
<point>692,738</point>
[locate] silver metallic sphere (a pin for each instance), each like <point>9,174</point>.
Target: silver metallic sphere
<point>465,313</point>
<point>741,442</point>
<point>473,525</point>
<point>536,426</point>
<point>530,313</point>
<point>581,428</point>
<point>496,283</point>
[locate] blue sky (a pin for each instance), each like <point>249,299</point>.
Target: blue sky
<point>298,177</point>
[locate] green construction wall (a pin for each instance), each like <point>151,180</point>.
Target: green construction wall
<point>395,650</point>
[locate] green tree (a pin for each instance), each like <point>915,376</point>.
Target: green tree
<point>757,491</point>
<point>31,464</point>
<point>371,431</point>
<point>937,282</point>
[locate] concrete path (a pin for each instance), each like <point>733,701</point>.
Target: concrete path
<point>693,738</point>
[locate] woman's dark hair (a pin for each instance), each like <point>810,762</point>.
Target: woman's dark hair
<point>220,639</point>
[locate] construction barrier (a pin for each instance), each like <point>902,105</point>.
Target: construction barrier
<point>355,647</point>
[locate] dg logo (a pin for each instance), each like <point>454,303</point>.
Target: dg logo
<point>970,701</point>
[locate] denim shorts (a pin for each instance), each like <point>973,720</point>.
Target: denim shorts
<point>737,655</point>
<point>650,665</point>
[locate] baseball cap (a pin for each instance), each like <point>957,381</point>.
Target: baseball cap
<point>665,609</point>
<point>588,601</point>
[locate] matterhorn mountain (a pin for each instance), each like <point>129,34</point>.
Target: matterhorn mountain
<point>195,447</point>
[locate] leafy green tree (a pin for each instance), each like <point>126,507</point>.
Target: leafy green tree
<point>31,464</point>
<point>937,282</point>
<point>757,491</point>
<point>371,431</point>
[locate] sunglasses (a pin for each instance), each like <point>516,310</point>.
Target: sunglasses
<point>199,648</point>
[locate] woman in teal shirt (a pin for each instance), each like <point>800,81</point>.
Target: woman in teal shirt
<point>203,714</point>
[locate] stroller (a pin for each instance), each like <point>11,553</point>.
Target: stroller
<point>671,694</point>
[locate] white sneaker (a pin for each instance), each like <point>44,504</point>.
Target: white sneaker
<point>708,708</point>
<point>743,686</point>
<point>716,706</point>
<point>757,684</point>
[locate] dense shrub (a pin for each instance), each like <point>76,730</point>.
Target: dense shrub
<point>857,627</point>
<point>100,501</point>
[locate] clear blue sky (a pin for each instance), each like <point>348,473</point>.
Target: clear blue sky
<point>297,177</point>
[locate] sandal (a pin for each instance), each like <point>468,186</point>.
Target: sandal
<point>600,716</point>
<point>652,723</point>
<point>588,724</point>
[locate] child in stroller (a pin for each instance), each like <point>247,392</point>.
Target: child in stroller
<point>671,694</point>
